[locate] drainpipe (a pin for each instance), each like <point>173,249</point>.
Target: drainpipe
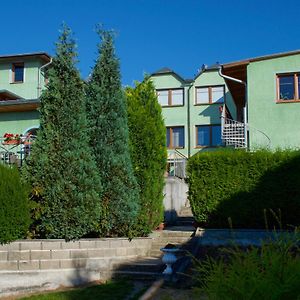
<point>39,76</point>
<point>245,112</point>
<point>189,120</point>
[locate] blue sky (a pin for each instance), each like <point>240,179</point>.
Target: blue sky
<point>180,34</point>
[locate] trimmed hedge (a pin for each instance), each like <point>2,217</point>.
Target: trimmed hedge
<point>14,208</point>
<point>251,190</point>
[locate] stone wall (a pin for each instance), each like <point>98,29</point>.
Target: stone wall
<point>46,264</point>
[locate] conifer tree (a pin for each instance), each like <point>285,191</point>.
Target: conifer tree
<point>61,169</point>
<point>148,152</point>
<point>107,116</point>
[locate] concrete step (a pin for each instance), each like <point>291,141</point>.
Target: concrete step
<point>178,231</point>
<point>144,276</point>
<point>185,212</point>
<point>149,264</point>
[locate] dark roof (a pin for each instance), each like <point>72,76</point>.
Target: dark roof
<point>42,55</point>
<point>19,102</point>
<point>259,58</point>
<point>204,68</point>
<point>167,70</point>
<point>9,94</point>
<point>163,71</point>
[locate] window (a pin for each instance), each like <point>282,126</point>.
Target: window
<point>210,94</point>
<point>288,87</point>
<point>18,72</point>
<point>175,137</point>
<point>208,136</point>
<point>172,97</point>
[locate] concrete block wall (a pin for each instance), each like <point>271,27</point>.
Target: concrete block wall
<point>33,264</point>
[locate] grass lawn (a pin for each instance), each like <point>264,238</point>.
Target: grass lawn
<point>109,291</point>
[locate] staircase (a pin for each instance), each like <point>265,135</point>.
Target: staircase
<point>151,267</point>
<point>234,133</point>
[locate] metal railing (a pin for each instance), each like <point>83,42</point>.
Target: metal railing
<point>177,164</point>
<point>234,133</point>
<point>14,151</point>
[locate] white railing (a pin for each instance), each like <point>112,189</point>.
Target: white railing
<point>177,164</point>
<point>13,151</point>
<point>234,133</point>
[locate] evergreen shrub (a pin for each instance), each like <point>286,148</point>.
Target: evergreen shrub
<point>109,139</point>
<point>61,170</point>
<point>14,208</point>
<point>148,150</point>
<point>250,189</point>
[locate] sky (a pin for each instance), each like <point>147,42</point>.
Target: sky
<point>151,34</point>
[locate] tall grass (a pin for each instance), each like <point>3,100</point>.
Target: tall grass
<point>271,272</point>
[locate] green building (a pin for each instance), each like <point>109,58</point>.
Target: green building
<point>267,100</point>
<point>250,104</point>
<point>244,104</point>
<point>21,82</point>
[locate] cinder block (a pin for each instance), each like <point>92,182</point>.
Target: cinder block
<point>3,255</point>
<point>132,251</point>
<point>60,254</point>
<point>115,243</point>
<point>98,264</point>
<point>49,264</point>
<point>19,255</point>
<point>95,253</point>
<point>73,263</point>
<point>70,245</point>
<point>8,265</point>
<point>127,243</point>
<point>11,246</point>
<point>102,244</point>
<point>108,252</point>
<point>51,245</point>
<point>121,251</point>
<point>31,245</point>
<point>79,253</point>
<point>87,244</point>
<point>29,265</point>
<point>40,254</point>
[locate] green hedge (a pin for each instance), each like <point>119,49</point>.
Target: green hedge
<point>14,209</point>
<point>251,190</point>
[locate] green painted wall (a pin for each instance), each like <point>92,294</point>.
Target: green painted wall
<point>207,114</point>
<point>18,122</point>
<point>174,116</point>
<point>279,121</point>
<point>199,114</point>
<point>27,89</point>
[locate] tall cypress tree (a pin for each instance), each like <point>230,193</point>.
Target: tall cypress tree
<point>107,116</point>
<point>61,169</point>
<point>148,149</point>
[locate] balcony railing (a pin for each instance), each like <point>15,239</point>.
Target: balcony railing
<point>13,151</point>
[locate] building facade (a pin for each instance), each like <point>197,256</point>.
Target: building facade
<point>21,81</point>
<point>192,109</point>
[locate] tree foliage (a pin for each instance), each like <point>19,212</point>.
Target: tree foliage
<point>14,208</point>
<point>61,170</point>
<point>148,152</point>
<point>107,115</point>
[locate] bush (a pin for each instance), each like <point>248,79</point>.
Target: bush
<point>243,186</point>
<point>14,209</point>
<point>65,185</point>
<point>109,139</point>
<point>272,272</point>
<point>147,134</point>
